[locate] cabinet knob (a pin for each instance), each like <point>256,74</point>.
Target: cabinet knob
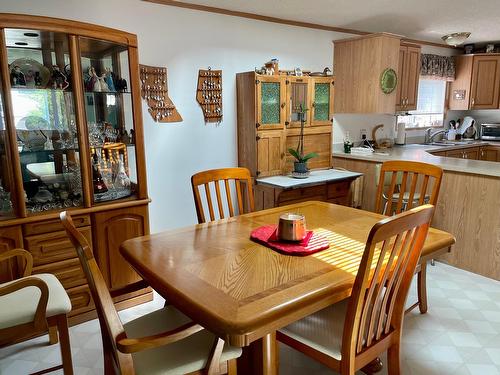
<point>283,105</point>
<point>313,104</point>
<point>472,102</point>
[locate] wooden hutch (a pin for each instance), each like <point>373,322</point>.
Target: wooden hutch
<point>269,124</point>
<point>71,138</point>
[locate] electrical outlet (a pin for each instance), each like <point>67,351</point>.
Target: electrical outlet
<point>363,134</point>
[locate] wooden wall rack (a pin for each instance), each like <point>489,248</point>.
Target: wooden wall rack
<point>209,94</point>
<point>154,90</point>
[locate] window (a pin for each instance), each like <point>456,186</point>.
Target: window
<point>430,105</point>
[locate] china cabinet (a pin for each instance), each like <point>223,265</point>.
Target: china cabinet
<point>71,138</point>
<point>269,122</point>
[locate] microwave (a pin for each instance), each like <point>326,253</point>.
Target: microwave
<point>490,132</point>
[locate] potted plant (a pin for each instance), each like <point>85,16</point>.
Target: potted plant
<point>300,163</point>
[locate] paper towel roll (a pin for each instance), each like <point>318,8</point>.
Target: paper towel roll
<point>401,133</point>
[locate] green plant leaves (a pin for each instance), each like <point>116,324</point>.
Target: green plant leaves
<point>301,158</point>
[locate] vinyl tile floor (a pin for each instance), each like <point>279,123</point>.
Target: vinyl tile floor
<point>459,335</point>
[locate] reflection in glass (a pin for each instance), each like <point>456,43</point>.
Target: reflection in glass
<point>5,201</point>
<point>108,107</point>
<point>44,118</point>
<point>298,98</point>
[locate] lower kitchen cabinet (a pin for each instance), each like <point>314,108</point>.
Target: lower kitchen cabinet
<point>111,229</point>
<point>489,153</point>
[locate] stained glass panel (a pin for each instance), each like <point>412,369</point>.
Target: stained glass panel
<point>270,103</point>
<point>321,101</point>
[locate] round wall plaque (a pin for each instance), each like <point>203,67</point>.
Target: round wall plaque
<point>388,80</point>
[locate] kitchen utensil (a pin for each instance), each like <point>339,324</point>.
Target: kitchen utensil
<point>466,124</point>
<point>292,227</point>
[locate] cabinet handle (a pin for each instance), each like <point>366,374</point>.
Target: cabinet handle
<point>313,104</point>
<point>283,105</point>
<point>472,102</point>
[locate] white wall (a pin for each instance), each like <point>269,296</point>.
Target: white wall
<point>185,41</point>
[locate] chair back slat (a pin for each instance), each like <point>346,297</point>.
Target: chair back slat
<point>111,325</point>
<point>376,306</point>
<point>244,196</point>
<point>396,194</point>
<point>228,198</point>
<point>219,199</point>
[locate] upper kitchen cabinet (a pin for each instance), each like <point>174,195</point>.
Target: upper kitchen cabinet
<point>460,88</point>
<point>477,82</point>
<point>359,64</point>
<point>409,73</point>
<point>485,82</point>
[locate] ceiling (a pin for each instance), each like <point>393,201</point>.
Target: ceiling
<point>415,19</point>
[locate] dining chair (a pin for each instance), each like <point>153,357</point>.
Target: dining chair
<point>163,341</point>
<point>34,305</point>
<point>350,334</point>
<point>215,177</point>
<point>401,186</point>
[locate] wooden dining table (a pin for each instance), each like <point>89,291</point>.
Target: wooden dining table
<point>243,291</point>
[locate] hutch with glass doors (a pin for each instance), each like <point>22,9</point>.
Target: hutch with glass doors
<point>71,138</point>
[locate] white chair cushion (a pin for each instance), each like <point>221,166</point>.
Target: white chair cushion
<point>19,307</point>
<point>322,330</point>
<point>188,355</point>
<point>406,196</point>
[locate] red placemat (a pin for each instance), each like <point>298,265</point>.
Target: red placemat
<point>312,243</point>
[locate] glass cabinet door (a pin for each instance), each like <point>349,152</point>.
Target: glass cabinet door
<point>270,102</point>
<point>322,101</point>
<point>6,210</point>
<point>110,124</point>
<point>298,100</point>
<point>44,118</point>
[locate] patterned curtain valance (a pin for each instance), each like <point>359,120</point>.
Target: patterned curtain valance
<point>437,67</point>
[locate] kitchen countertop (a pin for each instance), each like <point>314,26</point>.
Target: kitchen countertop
<point>420,152</point>
<point>315,178</point>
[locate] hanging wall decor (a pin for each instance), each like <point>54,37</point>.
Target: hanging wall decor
<point>209,94</point>
<point>154,90</point>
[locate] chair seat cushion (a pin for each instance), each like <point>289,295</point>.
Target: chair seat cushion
<point>23,302</point>
<point>322,330</point>
<point>184,356</point>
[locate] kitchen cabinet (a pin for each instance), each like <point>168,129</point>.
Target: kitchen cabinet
<point>459,92</point>
<point>471,153</point>
<point>485,82</point>
<point>489,153</point>
<point>409,73</point>
<point>358,65</point>
<point>266,128</point>
<point>70,123</point>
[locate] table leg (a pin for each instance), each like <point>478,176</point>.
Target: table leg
<point>261,357</point>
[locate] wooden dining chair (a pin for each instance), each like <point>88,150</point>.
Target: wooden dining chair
<point>34,305</point>
<point>349,335</point>
<point>215,177</point>
<point>401,186</point>
<point>162,342</point>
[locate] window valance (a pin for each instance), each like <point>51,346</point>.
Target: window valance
<point>437,67</point>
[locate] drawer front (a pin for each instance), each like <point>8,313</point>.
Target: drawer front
<point>68,272</point>
<point>338,189</point>
<point>81,300</point>
<point>344,201</point>
<point>53,225</point>
<point>53,247</point>
<point>303,194</point>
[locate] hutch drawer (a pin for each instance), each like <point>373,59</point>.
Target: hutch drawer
<point>81,300</point>
<point>49,226</point>
<point>69,272</point>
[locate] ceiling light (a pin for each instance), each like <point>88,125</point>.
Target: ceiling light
<point>455,39</point>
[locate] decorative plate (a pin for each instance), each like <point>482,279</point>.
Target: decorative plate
<point>388,80</point>
<point>30,67</point>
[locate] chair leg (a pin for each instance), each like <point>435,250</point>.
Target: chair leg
<point>62,327</point>
<point>53,338</point>
<point>422,288</point>
<point>393,360</point>
<point>231,367</point>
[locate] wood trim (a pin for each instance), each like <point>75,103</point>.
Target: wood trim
<point>67,26</point>
<point>77,211</point>
<point>282,21</point>
<point>18,188</point>
<point>81,119</point>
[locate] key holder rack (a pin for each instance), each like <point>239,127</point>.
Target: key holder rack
<point>209,94</point>
<point>154,90</point>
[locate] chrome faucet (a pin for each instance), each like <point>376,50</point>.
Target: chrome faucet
<point>429,137</point>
